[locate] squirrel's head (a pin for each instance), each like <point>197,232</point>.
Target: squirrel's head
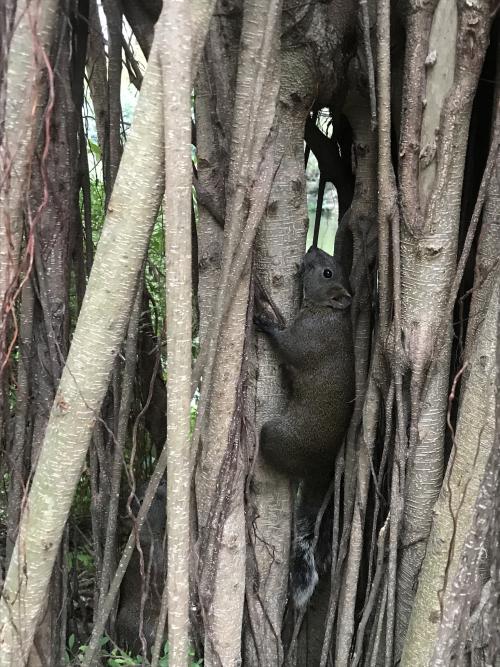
<point>324,280</point>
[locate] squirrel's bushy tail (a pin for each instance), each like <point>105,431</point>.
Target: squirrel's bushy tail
<point>303,572</point>
<point>309,561</point>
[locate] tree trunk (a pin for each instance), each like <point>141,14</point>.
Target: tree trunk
<point>175,31</point>
<point>472,442</point>
<point>279,250</point>
<point>428,262</point>
<point>21,117</point>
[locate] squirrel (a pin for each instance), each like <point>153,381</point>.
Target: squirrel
<point>318,355</point>
<point>134,586</point>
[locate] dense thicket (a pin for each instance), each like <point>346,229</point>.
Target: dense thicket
<point>247,111</point>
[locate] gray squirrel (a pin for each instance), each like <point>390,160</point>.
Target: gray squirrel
<point>318,356</point>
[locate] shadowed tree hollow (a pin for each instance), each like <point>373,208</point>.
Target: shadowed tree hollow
<point>249,324</point>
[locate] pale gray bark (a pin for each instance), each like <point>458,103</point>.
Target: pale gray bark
<point>259,155</point>
<point>472,442</point>
<point>454,509</point>
<point>428,261</point>
<point>470,623</point>
<point>389,275</point>
<point>222,581</point>
<point>99,332</point>
<point>174,31</point>
<point>215,92</point>
<point>36,167</point>
<point>54,195</point>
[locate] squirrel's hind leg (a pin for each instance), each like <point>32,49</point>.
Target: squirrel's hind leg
<point>279,448</point>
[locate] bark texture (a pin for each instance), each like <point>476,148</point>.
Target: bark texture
<point>471,444</point>
<point>407,548</point>
<point>23,85</point>
<point>360,222</point>
<point>176,54</point>
<point>221,471</point>
<point>84,382</point>
<point>428,263</point>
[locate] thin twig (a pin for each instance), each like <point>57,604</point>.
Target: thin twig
<point>123,419</point>
<point>365,23</point>
<point>379,626</point>
<point>332,602</point>
<point>381,473</point>
<point>384,157</point>
<point>374,588</point>
<point>132,65</point>
<point>471,231</point>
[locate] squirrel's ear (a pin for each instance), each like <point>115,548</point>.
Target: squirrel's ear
<point>309,260</point>
<point>340,298</point>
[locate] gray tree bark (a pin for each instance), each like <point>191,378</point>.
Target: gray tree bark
<point>176,54</point>
<point>428,261</point>
<point>472,442</point>
<point>23,86</point>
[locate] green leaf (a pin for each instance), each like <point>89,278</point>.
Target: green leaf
<point>95,149</point>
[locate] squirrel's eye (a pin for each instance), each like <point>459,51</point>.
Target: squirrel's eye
<point>327,273</point>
